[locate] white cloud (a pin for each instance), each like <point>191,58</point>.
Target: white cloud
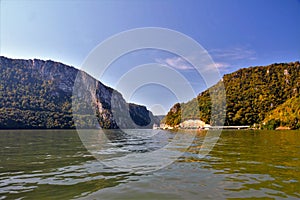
<point>221,66</point>
<point>235,53</point>
<point>175,62</point>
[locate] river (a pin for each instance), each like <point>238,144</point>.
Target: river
<point>55,164</point>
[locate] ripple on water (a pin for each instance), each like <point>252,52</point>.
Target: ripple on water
<point>241,165</point>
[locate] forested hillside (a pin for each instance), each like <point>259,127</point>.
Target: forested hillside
<point>286,114</point>
<point>38,94</point>
<point>250,94</point>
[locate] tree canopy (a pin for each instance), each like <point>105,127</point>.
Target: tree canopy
<point>251,93</point>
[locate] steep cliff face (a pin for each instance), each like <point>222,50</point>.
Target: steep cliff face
<point>141,115</point>
<point>48,94</point>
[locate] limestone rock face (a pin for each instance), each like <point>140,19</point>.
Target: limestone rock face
<point>47,94</point>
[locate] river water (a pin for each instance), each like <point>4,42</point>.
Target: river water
<point>55,164</point>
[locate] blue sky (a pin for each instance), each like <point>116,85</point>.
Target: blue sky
<point>235,33</point>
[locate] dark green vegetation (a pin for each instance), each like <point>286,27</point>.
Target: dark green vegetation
<point>174,115</point>
<point>251,93</point>
<point>38,94</point>
<point>286,114</point>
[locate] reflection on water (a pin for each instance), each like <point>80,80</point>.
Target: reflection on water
<point>48,164</point>
<point>136,150</point>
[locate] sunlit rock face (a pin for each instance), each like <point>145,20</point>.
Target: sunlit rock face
<point>47,94</point>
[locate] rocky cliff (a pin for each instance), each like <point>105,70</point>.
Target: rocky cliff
<point>48,94</point>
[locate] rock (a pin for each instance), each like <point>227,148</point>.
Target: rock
<point>48,94</point>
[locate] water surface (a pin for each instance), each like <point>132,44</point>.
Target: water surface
<point>48,164</point>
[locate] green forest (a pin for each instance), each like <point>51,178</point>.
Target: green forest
<point>252,94</point>
<point>27,97</point>
<point>286,114</point>
<point>263,96</point>
<point>37,94</point>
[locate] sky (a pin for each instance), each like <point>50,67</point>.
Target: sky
<point>236,34</point>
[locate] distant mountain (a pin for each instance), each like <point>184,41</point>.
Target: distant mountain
<point>251,93</point>
<point>38,94</point>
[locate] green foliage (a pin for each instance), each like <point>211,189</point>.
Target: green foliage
<point>286,114</point>
<point>29,100</point>
<point>253,92</point>
<point>173,117</point>
<point>38,94</point>
<point>250,94</point>
<point>271,124</point>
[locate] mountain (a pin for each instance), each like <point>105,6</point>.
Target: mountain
<point>286,115</point>
<point>251,93</point>
<point>47,94</point>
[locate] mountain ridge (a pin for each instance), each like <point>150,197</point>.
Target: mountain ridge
<point>251,93</point>
<point>39,94</point>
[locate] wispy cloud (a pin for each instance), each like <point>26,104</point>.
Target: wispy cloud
<point>175,62</point>
<point>221,65</point>
<point>235,53</point>
<point>181,64</point>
